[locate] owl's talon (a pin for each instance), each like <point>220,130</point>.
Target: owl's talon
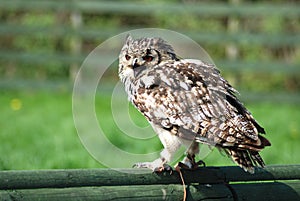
<point>181,165</point>
<point>167,168</point>
<point>158,169</point>
<point>164,168</point>
<point>191,164</point>
<point>201,163</point>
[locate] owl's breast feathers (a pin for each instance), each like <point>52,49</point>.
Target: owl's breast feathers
<point>192,100</point>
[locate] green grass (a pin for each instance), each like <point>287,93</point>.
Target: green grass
<point>37,132</point>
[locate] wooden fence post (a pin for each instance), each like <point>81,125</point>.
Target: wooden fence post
<point>75,43</point>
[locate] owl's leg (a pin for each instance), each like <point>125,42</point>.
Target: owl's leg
<point>189,161</point>
<point>171,144</point>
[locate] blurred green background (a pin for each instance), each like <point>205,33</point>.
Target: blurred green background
<point>255,44</point>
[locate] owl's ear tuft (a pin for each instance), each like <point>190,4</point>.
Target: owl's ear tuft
<point>173,56</point>
<point>128,39</point>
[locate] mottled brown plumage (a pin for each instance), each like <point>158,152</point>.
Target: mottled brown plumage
<point>186,102</point>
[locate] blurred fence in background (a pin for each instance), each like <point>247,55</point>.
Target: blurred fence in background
<point>255,44</point>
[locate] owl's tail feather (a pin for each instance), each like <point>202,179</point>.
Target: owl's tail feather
<point>246,159</point>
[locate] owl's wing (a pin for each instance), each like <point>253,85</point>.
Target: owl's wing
<point>193,101</point>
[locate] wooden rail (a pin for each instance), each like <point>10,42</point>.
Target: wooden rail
<point>203,9</point>
<point>214,183</point>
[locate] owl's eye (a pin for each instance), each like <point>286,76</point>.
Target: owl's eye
<point>148,58</point>
<point>127,57</point>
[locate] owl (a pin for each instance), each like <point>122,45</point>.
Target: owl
<point>187,102</point>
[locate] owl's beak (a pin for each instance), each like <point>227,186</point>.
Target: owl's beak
<point>137,66</point>
<point>135,63</point>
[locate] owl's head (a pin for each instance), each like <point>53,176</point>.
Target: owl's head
<point>139,54</point>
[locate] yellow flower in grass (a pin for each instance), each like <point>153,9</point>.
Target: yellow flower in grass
<point>15,104</point>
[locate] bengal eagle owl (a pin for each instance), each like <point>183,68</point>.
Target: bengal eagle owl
<point>187,102</point>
